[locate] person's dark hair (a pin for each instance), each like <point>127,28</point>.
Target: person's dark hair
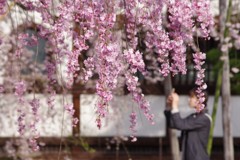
<point>194,93</point>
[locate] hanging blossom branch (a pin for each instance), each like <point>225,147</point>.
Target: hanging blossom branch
<point>89,69</point>
<point>20,89</point>
<point>130,22</point>
<point>26,40</point>
<point>84,30</point>
<point>199,60</point>
<point>181,24</point>
<point>35,104</point>
<point>108,64</point>
<point>51,74</point>
<point>63,30</point>
<point>201,10</point>
<point>70,110</point>
<point>156,38</point>
<point>14,65</point>
<point>82,21</point>
<point>136,63</point>
<point>52,59</point>
<point>134,59</point>
<point>181,18</point>
<point>69,51</point>
<point>46,31</point>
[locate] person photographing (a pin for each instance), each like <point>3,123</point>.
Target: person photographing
<point>195,127</point>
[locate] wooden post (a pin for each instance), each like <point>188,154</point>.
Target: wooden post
<point>76,105</point>
<point>76,90</point>
<point>160,155</point>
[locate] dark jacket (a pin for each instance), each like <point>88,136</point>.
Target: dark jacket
<point>195,131</point>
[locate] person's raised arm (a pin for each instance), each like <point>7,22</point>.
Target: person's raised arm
<point>188,123</point>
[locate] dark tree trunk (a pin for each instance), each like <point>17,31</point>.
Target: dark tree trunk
<point>171,132</point>
<point>225,13</point>
<point>226,114</point>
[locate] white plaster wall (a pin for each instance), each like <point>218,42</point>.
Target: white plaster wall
<point>119,125</point>
<point>50,124</point>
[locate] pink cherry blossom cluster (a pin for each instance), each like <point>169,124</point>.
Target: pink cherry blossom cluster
<point>21,122</point>
<point>51,71</point>
<point>99,122</point>
<point>198,59</point>
<point>138,97</point>
<point>144,105</point>
<point>1,89</point>
<point>63,30</point>
<point>203,16</point>
<point>133,57</point>
<point>84,30</point>
<point>20,89</point>
<point>55,47</point>
<point>183,17</point>
<point>135,60</point>
<point>130,22</point>
<point>21,43</point>
<point>35,104</point>
<point>157,38</point>
<point>181,24</point>
<point>27,40</point>
<point>133,121</point>
<point>108,63</point>
<point>70,110</point>
<point>181,20</point>
<point>89,69</point>
<point>51,97</point>
<point>3,4</point>
<point>136,63</point>
<point>52,59</point>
